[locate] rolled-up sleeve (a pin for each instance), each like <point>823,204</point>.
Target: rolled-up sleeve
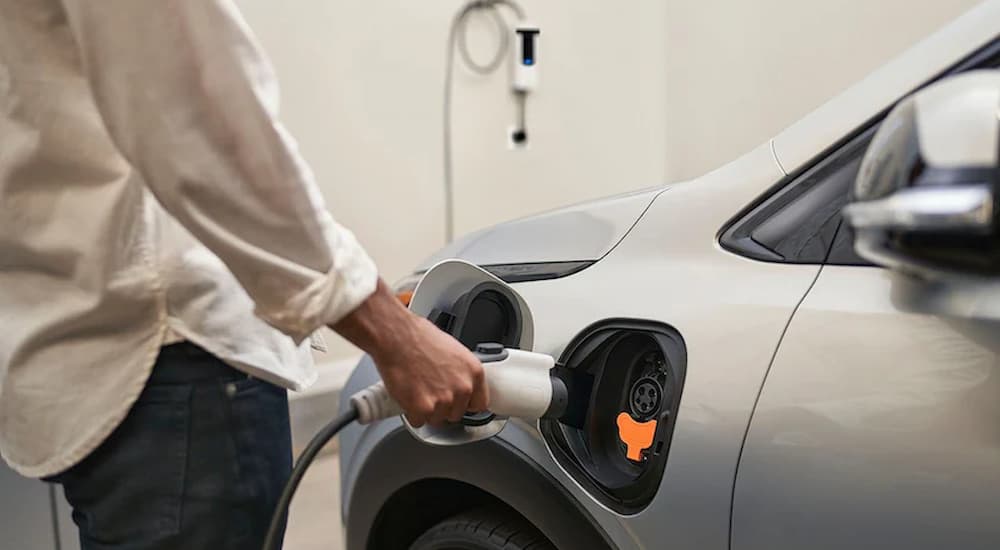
<point>191,102</point>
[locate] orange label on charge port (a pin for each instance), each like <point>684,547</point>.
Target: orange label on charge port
<point>635,435</point>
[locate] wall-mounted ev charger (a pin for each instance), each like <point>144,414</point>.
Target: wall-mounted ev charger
<point>524,78</point>
<point>526,61</point>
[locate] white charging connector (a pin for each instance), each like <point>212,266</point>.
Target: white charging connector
<point>525,65</point>
<point>520,385</point>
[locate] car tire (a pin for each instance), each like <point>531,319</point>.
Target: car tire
<point>483,529</point>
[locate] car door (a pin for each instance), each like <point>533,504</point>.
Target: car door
<point>879,424</point>
<point>879,421</point>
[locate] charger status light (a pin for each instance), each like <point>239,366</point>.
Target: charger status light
<point>527,49</point>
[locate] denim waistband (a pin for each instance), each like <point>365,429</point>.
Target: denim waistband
<point>186,363</point>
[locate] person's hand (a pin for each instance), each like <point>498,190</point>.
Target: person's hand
<point>432,376</point>
<point>435,379</point>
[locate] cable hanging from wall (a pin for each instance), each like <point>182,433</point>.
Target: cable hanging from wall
<point>458,41</point>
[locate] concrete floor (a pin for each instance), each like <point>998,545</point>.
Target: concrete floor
<point>314,520</point>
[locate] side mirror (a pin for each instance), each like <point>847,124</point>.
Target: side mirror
<point>927,196</point>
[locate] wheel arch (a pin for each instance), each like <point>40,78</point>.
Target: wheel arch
<point>390,506</point>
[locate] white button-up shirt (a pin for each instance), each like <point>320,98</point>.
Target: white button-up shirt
<point>148,193</point>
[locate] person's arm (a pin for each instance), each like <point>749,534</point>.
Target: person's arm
<point>191,102</point>
<point>189,99</point>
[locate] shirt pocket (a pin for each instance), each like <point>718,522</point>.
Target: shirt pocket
<point>132,486</point>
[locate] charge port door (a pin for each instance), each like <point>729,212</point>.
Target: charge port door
<point>475,307</point>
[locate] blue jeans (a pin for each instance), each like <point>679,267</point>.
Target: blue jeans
<point>198,463</point>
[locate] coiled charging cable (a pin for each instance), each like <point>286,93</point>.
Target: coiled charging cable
<point>458,40</point>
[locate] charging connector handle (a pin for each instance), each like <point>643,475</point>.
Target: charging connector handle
<point>519,384</point>
<point>373,404</point>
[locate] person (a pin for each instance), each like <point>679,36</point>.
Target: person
<point>165,256</point>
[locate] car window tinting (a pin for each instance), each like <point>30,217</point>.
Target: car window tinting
<point>800,223</point>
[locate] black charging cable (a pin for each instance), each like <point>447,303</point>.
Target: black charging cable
<point>275,531</point>
<point>518,371</point>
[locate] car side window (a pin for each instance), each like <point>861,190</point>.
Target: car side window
<point>842,252</point>
<point>800,223</point>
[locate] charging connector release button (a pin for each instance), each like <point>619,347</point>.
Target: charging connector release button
<point>489,348</point>
<point>489,352</point>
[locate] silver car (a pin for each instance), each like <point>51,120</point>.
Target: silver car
<point>741,378</point>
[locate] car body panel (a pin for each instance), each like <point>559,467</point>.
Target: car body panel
<point>732,313</point>
<point>881,413</point>
<point>801,142</point>
<point>446,281</point>
<point>729,310</point>
<point>581,232</point>
<point>438,290</point>
<point>359,443</point>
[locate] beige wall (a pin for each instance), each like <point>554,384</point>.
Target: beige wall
<point>740,71</point>
<point>362,91</point>
<point>633,93</point>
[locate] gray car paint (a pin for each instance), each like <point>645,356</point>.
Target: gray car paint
<point>584,231</point>
<point>845,449</point>
<point>358,442</point>
<point>708,297</point>
<point>879,425</point>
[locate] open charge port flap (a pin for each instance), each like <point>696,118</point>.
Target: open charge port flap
<point>487,313</point>
<point>624,379</point>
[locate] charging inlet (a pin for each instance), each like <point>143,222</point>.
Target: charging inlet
<point>624,381</point>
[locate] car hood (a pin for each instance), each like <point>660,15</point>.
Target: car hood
<point>582,232</point>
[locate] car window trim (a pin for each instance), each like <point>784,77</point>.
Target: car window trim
<point>986,57</point>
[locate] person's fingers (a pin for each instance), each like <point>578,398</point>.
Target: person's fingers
<point>460,402</point>
<point>416,421</point>
<point>479,400</point>
<point>442,408</point>
<point>419,412</point>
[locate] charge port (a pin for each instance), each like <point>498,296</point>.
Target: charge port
<point>624,379</point>
<point>644,399</point>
